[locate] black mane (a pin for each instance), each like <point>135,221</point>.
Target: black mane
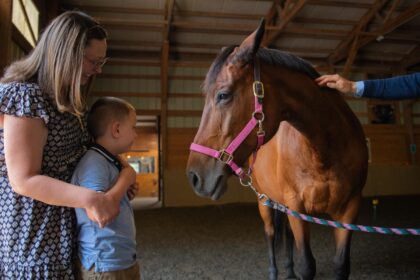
<point>269,56</point>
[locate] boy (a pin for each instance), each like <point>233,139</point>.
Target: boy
<point>109,252</point>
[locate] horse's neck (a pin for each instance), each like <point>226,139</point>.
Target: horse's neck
<point>310,111</point>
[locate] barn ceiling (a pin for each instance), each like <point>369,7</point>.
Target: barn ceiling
<point>375,36</point>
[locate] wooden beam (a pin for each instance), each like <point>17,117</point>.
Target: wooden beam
<point>234,16</point>
<point>169,8</point>
<point>290,12</point>
<point>150,25</point>
<point>126,94</point>
<point>20,40</point>
<point>185,113</point>
<point>342,49</point>
<point>410,59</point>
<point>164,87</point>
<point>342,4</point>
<point>148,77</point>
<point>404,17</point>
<point>137,62</point>
<point>407,15</point>
<point>352,57</point>
<point>5,34</point>
<point>113,10</point>
<point>28,22</point>
<point>272,15</point>
<point>324,21</point>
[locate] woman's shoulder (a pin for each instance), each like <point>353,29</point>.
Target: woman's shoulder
<point>20,88</point>
<point>23,99</point>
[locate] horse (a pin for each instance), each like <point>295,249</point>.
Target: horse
<point>314,159</point>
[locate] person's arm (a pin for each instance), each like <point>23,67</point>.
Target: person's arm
<point>400,87</point>
<point>24,141</point>
<point>396,88</point>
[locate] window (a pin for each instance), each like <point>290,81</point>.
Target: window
<point>25,17</point>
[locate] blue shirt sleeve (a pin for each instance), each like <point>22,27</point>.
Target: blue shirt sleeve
<point>360,88</point>
<point>93,174</point>
<point>396,88</point>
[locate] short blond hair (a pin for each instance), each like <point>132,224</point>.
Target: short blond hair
<point>56,61</point>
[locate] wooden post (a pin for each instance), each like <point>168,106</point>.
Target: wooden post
<point>5,34</point>
<point>164,99</point>
<point>408,122</point>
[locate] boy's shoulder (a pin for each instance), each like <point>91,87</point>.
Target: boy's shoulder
<point>91,161</point>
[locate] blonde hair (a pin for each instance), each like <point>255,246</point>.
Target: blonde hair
<point>56,61</point>
<point>104,111</point>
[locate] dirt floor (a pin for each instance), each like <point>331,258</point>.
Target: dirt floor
<point>227,242</point>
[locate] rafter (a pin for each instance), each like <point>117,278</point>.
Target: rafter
<point>108,9</point>
<point>407,15</point>
<point>343,47</point>
<point>169,8</point>
<point>410,59</point>
<point>288,13</point>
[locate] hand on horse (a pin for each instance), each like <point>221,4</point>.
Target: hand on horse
<point>103,209</point>
<point>337,82</point>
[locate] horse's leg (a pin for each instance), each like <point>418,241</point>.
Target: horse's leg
<point>289,243</point>
<point>266,214</point>
<point>305,267</point>
<point>343,240</point>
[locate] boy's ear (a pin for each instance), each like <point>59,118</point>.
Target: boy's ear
<point>115,129</point>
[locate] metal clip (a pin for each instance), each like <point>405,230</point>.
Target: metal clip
<point>245,180</point>
<point>258,87</point>
<point>260,131</point>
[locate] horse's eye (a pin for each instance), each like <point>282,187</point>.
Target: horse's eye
<point>223,97</point>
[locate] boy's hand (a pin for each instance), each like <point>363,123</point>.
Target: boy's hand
<point>128,170</point>
<point>132,191</point>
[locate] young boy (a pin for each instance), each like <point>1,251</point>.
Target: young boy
<point>109,252</point>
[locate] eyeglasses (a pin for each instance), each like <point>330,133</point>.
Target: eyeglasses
<point>97,63</point>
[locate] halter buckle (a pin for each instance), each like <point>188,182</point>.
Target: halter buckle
<point>224,156</point>
<point>258,89</point>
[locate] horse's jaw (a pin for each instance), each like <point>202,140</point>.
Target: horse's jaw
<point>210,183</point>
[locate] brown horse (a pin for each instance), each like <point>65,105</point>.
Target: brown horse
<point>315,157</point>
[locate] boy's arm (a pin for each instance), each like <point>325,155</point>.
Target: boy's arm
<point>126,178</point>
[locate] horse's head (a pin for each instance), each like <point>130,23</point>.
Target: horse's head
<point>229,105</point>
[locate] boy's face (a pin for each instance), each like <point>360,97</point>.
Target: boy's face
<point>128,131</point>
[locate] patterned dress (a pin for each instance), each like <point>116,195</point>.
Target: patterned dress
<point>37,240</point>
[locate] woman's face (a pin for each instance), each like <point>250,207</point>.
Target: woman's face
<point>94,59</point>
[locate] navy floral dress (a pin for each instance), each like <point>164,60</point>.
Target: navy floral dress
<point>37,240</point>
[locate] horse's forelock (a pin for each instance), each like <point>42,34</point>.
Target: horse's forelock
<point>215,68</point>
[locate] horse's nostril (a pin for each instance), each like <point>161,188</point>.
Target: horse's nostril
<point>195,180</point>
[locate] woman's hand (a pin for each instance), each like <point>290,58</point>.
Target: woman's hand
<point>337,82</point>
<point>103,208</point>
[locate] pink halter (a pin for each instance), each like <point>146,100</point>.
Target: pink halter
<point>226,155</point>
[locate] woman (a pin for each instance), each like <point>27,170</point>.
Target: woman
<point>43,134</point>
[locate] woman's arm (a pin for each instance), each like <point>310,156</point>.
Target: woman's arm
<point>24,141</point>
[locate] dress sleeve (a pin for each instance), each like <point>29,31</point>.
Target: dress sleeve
<point>23,100</point>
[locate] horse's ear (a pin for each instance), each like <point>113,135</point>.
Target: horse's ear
<point>253,41</point>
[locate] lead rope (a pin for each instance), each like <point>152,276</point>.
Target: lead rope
<point>283,208</point>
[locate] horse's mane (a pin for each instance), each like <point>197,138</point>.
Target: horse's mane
<point>270,56</point>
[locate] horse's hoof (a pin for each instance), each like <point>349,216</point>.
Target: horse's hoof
<point>272,274</point>
<point>290,274</point>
